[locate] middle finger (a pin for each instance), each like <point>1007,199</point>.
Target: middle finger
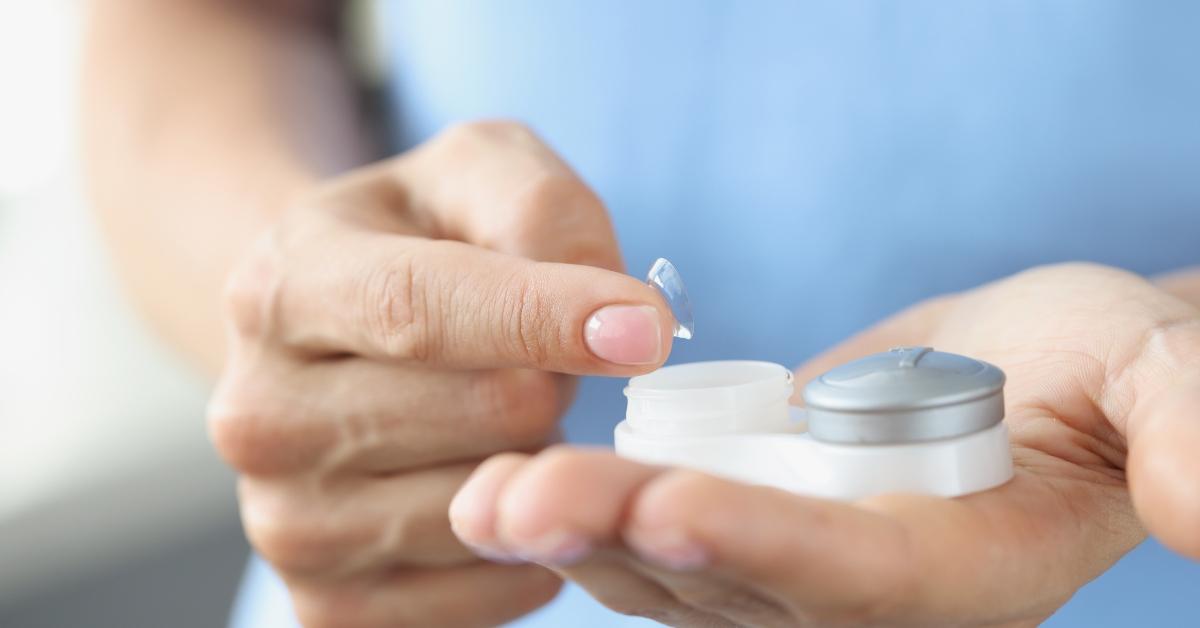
<point>335,528</point>
<point>355,416</point>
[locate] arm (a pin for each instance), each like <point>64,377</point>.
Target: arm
<point>389,326</point>
<point>203,118</point>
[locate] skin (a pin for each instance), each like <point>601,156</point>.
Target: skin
<point>377,330</point>
<point>193,150</point>
<point>1103,402</point>
<point>374,363</point>
<point>380,328</point>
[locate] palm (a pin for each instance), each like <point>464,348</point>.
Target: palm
<point>1086,350</point>
<point>1068,339</point>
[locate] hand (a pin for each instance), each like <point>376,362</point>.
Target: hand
<point>397,326</point>
<point>1103,404</point>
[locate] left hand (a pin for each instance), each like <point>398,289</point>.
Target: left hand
<point>1103,405</point>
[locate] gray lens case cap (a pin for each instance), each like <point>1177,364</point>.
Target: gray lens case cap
<point>905,395</point>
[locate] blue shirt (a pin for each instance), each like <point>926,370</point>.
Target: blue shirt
<point>813,167</point>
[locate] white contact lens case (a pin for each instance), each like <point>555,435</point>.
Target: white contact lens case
<point>908,420</point>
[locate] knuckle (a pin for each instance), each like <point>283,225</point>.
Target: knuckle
<point>555,211</point>
<point>290,547</point>
<point>284,543</point>
<point>524,404</point>
<point>472,133</point>
<point>251,291</point>
<point>241,431</point>
<point>546,196</point>
<point>528,320</point>
<point>392,300</point>
<point>255,431</point>
<point>290,529</point>
<point>554,201</point>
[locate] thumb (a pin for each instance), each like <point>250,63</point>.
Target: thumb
<point>1164,464</point>
<point>498,185</point>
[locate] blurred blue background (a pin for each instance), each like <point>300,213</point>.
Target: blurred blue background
<point>810,168</point>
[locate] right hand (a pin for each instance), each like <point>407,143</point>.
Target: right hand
<point>398,325</point>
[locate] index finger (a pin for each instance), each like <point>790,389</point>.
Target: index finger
<point>453,305</point>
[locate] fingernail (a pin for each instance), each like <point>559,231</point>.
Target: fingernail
<point>556,549</point>
<point>668,548</point>
<point>625,334</point>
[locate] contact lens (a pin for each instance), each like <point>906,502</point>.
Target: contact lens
<point>664,278</point>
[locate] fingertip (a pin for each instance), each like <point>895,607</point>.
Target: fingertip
<point>472,511</point>
<point>590,321</point>
<point>565,503</point>
<point>627,335</point>
<point>631,328</point>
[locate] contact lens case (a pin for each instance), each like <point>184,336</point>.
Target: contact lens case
<point>908,420</point>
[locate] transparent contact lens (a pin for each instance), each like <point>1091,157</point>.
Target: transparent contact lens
<point>665,278</point>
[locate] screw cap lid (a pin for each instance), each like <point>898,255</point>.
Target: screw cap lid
<point>907,394</point>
